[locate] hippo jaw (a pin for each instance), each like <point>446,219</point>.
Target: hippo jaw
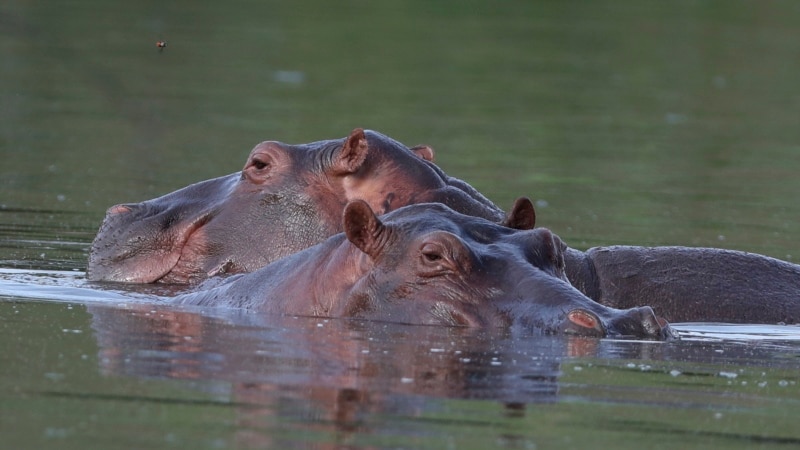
<point>140,261</point>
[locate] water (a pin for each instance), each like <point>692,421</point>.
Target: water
<point>644,123</point>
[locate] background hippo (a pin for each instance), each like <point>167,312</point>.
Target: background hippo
<point>688,284</point>
<point>289,197</point>
<point>426,264</point>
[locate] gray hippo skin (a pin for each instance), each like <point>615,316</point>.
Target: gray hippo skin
<point>428,265</point>
<point>688,284</point>
<point>289,197</point>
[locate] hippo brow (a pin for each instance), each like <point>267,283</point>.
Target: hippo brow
<point>324,152</point>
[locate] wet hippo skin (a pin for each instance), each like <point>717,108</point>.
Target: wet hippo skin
<point>289,197</point>
<point>286,198</point>
<point>686,284</point>
<point>425,264</point>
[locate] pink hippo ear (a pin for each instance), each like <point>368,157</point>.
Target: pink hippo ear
<point>352,155</point>
<point>363,228</point>
<point>522,215</point>
<point>423,152</point>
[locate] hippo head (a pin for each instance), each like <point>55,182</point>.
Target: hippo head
<point>428,264</point>
<point>287,198</point>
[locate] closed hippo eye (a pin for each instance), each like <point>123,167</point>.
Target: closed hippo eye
<point>433,259</point>
<point>431,252</point>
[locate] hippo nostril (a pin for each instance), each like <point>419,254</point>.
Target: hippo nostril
<point>652,326</point>
<point>119,209</point>
<point>582,319</point>
<point>666,332</point>
<point>583,323</point>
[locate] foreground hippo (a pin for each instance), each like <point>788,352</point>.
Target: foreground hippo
<point>287,198</point>
<point>291,197</point>
<point>426,264</point>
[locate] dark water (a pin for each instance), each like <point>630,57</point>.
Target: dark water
<point>647,123</point>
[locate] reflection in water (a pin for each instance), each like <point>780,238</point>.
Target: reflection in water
<point>336,376</point>
<point>280,381</point>
<point>326,372</point>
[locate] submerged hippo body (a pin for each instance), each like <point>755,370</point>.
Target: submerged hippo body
<point>426,264</point>
<point>689,284</point>
<point>287,198</point>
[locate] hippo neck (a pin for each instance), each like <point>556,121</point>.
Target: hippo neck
<point>313,281</point>
<point>464,199</point>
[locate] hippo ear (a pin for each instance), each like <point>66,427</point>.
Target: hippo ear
<point>362,227</point>
<point>423,152</point>
<point>352,155</point>
<point>522,216</point>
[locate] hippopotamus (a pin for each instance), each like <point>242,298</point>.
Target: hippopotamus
<point>426,264</point>
<point>690,284</point>
<point>289,197</point>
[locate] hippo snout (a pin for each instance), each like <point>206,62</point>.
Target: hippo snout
<point>641,322</point>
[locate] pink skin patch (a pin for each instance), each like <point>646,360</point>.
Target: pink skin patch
<point>583,319</point>
<point>118,209</point>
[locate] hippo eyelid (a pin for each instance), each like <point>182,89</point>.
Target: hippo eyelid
<point>443,253</point>
<point>434,259</point>
<point>432,252</point>
<point>260,161</point>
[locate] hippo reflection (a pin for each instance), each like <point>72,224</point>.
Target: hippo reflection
<point>264,367</point>
<point>289,197</point>
<point>426,264</point>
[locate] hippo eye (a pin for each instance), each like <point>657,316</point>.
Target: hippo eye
<point>433,260</point>
<point>431,253</point>
<point>432,257</point>
<point>442,254</point>
<point>260,165</point>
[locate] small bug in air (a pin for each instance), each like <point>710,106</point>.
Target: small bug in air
<point>161,45</point>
